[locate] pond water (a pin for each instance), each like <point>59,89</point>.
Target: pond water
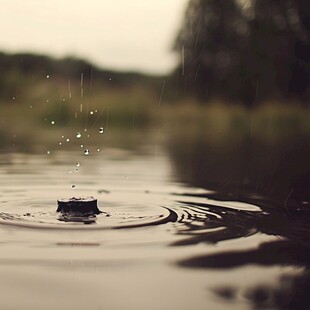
<point>174,234</point>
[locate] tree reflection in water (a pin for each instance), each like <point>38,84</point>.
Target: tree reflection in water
<point>273,175</point>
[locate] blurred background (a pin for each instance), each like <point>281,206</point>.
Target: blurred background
<point>221,85</point>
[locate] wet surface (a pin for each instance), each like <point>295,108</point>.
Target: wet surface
<point>159,243</point>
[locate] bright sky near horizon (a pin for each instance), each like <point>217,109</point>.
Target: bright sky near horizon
<point>117,34</point>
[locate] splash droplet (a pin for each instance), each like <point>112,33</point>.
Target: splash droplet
<point>86,152</point>
<point>78,135</point>
<point>101,130</point>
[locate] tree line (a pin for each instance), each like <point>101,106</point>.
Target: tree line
<point>244,50</point>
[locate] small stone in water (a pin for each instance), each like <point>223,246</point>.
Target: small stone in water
<point>86,152</point>
<point>78,135</point>
<point>101,130</point>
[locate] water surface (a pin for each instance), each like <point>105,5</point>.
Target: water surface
<point>175,233</point>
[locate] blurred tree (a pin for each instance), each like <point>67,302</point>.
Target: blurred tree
<point>245,50</point>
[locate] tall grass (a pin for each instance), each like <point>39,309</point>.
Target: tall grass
<point>44,109</point>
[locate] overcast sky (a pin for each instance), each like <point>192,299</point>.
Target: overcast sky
<point>117,34</point>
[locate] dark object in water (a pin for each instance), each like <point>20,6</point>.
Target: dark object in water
<point>82,206</point>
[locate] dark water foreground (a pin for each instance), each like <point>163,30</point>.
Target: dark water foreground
<point>192,226</point>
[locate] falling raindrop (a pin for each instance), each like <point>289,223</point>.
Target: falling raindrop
<point>101,130</point>
<point>86,152</point>
<point>78,135</point>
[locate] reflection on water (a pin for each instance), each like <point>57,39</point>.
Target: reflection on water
<point>233,209</point>
<point>275,170</point>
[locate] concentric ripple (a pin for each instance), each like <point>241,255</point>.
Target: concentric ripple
<point>119,210</point>
<point>195,218</point>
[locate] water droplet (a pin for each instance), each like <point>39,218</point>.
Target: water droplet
<point>86,152</point>
<point>67,139</point>
<point>88,136</point>
<point>70,171</point>
<point>101,130</point>
<point>78,135</point>
<point>91,112</point>
<point>76,170</point>
<point>60,143</point>
<point>78,164</point>
<point>13,98</point>
<point>98,150</point>
<point>96,111</point>
<point>30,107</point>
<point>48,152</point>
<point>63,99</point>
<point>82,145</point>
<point>47,76</point>
<point>73,186</point>
<point>110,79</point>
<point>52,122</point>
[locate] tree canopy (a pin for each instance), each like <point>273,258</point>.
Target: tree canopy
<point>245,50</point>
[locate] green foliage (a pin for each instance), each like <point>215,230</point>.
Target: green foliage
<point>247,51</point>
